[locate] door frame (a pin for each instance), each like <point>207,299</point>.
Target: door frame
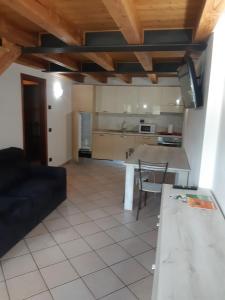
<point>43,109</point>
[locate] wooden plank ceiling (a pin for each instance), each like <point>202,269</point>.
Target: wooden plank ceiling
<point>22,23</point>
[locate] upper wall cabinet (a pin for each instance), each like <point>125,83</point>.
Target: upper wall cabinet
<point>137,100</point>
<point>83,98</point>
<point>149,99</point>
<point>127,100</point>
<point>171,100</point>
<point>106,98</point>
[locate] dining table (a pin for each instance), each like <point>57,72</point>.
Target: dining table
<point>176,158</point>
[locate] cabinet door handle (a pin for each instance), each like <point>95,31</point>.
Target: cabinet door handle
<point>153,267</point>
<point>101,134</point>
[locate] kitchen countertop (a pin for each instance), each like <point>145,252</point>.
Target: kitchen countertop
<point>135,133</point>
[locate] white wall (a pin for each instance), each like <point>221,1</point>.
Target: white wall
<point>204,130</point>
<point>218,186</point>
<point>194,121</point>
<point>58,118</point>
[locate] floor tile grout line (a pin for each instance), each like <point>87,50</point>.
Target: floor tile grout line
<point>80,237</point>
<point>6,286</point>
<point>68,259</point>
<point>102,230</point>
<point>118,291</point>
<point>107,266</point>
<point>37,268</point>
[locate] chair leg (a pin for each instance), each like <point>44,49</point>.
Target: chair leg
<point>139,204</point>
<point>145,198</point>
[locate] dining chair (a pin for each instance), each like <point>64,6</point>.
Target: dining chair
<point>151,179</point>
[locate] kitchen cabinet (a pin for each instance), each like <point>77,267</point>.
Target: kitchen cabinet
<point>83,98</point>
<point>137,100</point>
<point>127,100</point>
<point>122,144</point>
<point>168,100</point>
<point>106,97</point>
<point>114,146</point>
<point>149,140</point>
<point>103,146</point>
<point>148,98</point>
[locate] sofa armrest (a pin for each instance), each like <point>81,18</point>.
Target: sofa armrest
<point>55,172</point>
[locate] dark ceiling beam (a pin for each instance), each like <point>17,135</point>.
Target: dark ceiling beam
<point>117,48</point>
<point>120,68</point>
<point>113,41</point>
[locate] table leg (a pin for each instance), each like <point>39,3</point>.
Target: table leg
<point>129,187</point>
<point>182,177</point>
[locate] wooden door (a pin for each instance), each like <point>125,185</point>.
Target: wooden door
<point>34,118</point>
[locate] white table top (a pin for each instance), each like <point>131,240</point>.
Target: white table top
<point>190,263</point>
<point>175,156</point>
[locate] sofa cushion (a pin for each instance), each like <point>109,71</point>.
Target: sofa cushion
<point>39,190</point>
<point>11,176</point>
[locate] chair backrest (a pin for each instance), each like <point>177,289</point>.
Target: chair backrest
<point>153,172</point>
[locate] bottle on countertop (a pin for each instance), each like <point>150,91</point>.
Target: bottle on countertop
<point>170,128</point>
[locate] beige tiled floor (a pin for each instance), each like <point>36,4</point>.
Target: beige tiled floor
<point>89,247</point>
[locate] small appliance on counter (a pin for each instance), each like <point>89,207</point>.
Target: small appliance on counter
<point>169,141</point>
<point>147,128</point>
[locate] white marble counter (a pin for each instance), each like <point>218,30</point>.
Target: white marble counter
<point>190,261</point>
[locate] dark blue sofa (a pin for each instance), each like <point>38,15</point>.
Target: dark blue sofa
<point>27,195</point>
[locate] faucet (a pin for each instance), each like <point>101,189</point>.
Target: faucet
<point>123,126</point>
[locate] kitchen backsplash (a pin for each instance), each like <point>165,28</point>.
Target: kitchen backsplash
<point>162,121</point>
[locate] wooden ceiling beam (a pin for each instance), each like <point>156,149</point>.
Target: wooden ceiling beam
<point>8,56</point>
<point>47,18</point>
<point>145,59</point>
<point>102,59</point>
<point>153,78</point>
<point>60,59</point>
<point>124,77</point>
<point>124,14</point>
<point>16,35</point>
<point>44,16</point>
<point>210,13</point>
<point>33,62</point>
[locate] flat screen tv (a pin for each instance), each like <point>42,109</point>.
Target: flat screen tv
<point>190,88</point>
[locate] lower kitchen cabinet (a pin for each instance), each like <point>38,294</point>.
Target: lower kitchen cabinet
<point>115,146</point>
<point>123,143</point>
<point>103,146</point>
<point>149,140</point>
